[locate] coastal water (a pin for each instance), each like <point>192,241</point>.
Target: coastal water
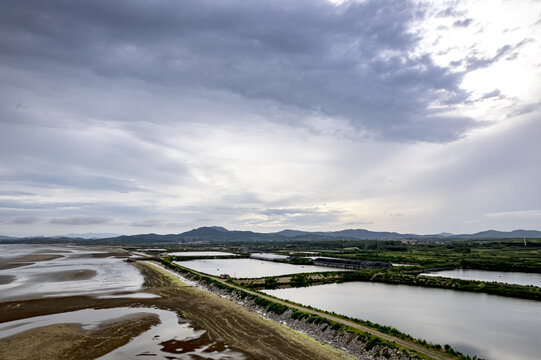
<point>507,277</point>
<point>489,326</point>
<point>250,268</point>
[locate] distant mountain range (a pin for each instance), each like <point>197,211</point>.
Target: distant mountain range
<point>220,234</point>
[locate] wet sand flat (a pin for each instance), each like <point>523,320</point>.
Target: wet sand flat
<point>6,279</point>
<point>68,275</point>
<point>70,341</point>
<point>25,260</point>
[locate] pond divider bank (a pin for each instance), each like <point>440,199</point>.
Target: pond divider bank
<point>397,277</point>
<point>343,333</point>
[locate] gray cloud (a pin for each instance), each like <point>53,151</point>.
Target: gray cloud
<point>341,61</point>
<point>25,220</point>
<point>81,220</point>
<point>146,223</point>
<point>463,23</point>
<point>522,109</point>
<point>192,113</point>
<point>491,94</point>
<point>89,182</point>
<point>300,216</point>
<point>450,12</point>
<point>509,52</point>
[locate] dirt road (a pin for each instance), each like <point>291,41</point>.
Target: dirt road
<point>402,342</point>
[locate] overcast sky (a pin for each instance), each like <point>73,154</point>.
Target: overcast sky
<point>161,116</point>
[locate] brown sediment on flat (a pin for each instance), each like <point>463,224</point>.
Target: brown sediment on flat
<point>67,275</point>
<point>33,258</point>
<point>6,279</point>
<point>25,260</point>
<point>226,322</point>
<point>12,265</point>
<point>70,341</point>
<point>117,253</point>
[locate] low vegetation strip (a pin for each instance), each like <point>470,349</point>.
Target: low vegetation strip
<point>371,334</point>
<point>500,255</point>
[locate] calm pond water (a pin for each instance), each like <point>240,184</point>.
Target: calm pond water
<point>200,253</point>
<point>519,278</point>
<point>492,327</point>
<point>250,268</point>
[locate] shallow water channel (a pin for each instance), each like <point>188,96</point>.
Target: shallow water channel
<point>489,326</point>
<point>506,277</point>
<point>250,268</point>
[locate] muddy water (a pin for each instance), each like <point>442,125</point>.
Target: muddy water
<point>492,327</point>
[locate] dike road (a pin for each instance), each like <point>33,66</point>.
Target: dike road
<point>434,354</point>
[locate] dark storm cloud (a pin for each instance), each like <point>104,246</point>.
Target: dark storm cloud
<point>82,220</point>
<point>353,61</point>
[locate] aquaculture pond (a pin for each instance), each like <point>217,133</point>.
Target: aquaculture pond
<point>250,268</point>
<point>489,326</point>
<point>507,277</point>
<point>200,253</point>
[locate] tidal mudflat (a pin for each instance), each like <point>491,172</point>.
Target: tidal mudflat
<point>250,268</point>
<point>33,271</point>
<point>182,321</point>
<point>488,326</point>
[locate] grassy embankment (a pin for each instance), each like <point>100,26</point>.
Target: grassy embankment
<point>279,308</point>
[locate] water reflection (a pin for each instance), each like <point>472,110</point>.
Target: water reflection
<point>250,268</point>
<point>33,271</point>
<point>506,277</point>
<point>166,340</point>
<point>200,253</point>
<point>489,326</point>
